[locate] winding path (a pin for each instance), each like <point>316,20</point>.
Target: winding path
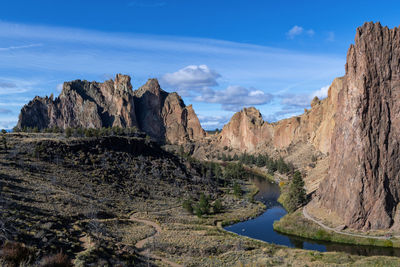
<point>141,243</point>
<point>307,216</point>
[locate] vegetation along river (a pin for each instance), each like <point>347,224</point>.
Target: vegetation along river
<point>262,227</point>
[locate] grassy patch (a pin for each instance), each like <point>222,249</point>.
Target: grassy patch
<point>296,224</point>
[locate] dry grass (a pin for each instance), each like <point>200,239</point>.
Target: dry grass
<point>54,201</point>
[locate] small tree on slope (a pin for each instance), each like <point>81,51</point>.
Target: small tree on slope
<point>297,193</point>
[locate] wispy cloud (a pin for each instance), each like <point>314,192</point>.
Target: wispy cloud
<point>7,122</point>
<point>11,86</point>
<point>234,98</point>
<point>73,53</point>
<point>4,84</point>
<point>19,47</point>
<point>294,104</point>
<point>298,30</point>
<point>5,111</point>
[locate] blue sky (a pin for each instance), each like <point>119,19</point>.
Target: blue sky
<point>219,55</point>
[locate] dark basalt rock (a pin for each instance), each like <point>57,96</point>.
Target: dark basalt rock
<point>161,115</point>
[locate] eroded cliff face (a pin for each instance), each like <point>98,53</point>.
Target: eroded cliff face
<point>247,130</point>
<point>162,115</point>
<point>165,116</point>
<point>363,183</point>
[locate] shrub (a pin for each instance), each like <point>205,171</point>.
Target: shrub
<point>237,190</point>
<point>187,205</point>
<point>204,204</point>
<point>4,141</point>
<point>68,132</point>
<point>57,260</point>
<point>217,207</point>
<point>314,158</point>
<point>16,253</point>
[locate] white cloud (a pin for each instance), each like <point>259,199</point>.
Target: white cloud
<point>192,77</point>
<point>298,30</point>
<point>234,97</point>
<point>75,53</point>
<point>293,32</point>
<point>7,122</point>
<point>294,104</point>
<point>321,93</point>
<point>296,100</point>
<point>213,122</point>
<point>59,87</point>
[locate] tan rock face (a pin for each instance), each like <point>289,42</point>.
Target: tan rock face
<point>247,130</point>
<point>363,184</point>
<point>86,104</point>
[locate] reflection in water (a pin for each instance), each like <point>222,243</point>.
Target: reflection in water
<point>262,227</point>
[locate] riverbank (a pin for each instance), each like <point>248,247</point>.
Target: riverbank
<point>297,224</point>
<point>188,240</point>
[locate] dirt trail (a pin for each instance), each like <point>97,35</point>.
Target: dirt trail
<point>307,216</point>
<point>86,244</point>
<point>141,243</point>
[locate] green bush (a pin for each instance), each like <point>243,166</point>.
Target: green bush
<point>68,132</point>
<point>237,190</point>
<point>297,194</point>
<point>217,207</point>
<point>187,205</point>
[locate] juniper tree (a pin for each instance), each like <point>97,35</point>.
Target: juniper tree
<point>297,193</point>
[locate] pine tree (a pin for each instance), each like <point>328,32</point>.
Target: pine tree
<point>237,190</point>
<point>297,193</point>
<point>217,207</point>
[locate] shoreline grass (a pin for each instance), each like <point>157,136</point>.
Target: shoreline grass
<point>295,224</point>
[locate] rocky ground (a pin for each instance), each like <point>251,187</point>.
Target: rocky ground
<point>95,199</point>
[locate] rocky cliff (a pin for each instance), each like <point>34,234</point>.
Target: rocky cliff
<point>247,130</point>
<point>357,125</point>
<point>162,115</point>
<point>363,184</point>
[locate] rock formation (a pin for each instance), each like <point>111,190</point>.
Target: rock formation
<point>363,184</point>
<point>357,125</point>
<point>247,130</point>
<point>161,115</point>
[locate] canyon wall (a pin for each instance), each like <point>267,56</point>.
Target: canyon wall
<point>363,183</point>
<point>248,132</point>
<point>356,128</point>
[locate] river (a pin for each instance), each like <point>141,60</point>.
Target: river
<point>262,227</point>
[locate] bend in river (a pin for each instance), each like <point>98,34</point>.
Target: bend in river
<point>262,227</point>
